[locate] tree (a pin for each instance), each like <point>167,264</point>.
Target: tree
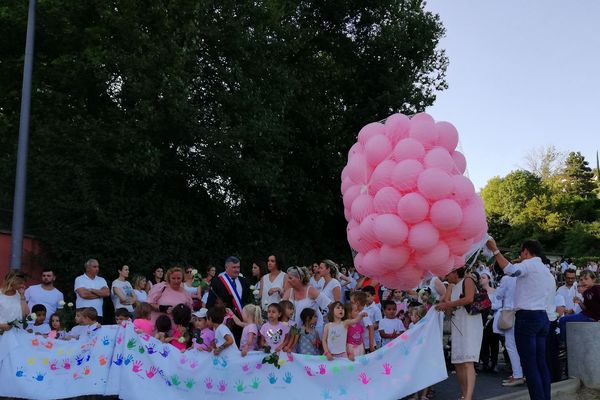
<point>545,162</point>
<point>578,176</point>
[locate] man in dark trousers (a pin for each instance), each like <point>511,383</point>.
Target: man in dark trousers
<point>230,290</point>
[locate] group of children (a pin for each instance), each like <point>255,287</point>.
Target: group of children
<point>351,330</point>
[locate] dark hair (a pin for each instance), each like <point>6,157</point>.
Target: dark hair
<point>369,289</point>
<point>279,261</point>
<point>89,313</point>
<point>59,316</point>
<point>122,312</point>
<point>48,269</point>
<point>569,271</point>
<point>232,260</point>
<point>460,272</point>
<point>306,315</point>
<point>386,303</point>
<point>533,247</point>
<point>276,306</point>
<point>38,308</point>
<point>182,314</point>
<point>262,266</point>
<point>286,304</point>
<point>216,315</point>
<point>332,306</point>
<point>119,269</point>
<point>163,324</point>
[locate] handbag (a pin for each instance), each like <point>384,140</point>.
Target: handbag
<point>481,300</point>
<point>506,319</point>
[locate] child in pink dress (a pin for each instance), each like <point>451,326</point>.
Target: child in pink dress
<point>273,332</point>
<point>251,318</point>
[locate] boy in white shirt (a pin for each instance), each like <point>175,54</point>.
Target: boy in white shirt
<point>375,316</point>
<point>390,327</point>
<point>86,319</point>
<point>223,336</point>
<point>39,327</point>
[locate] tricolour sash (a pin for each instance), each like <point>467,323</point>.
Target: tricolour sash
<point>232,289</point>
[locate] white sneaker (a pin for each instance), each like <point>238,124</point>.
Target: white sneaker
<point>513,382</point>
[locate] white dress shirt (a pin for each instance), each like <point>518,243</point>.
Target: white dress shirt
<point>535,287</point>
<point>568,294</point>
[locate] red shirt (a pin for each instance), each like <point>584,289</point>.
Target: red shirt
<point>591,302</point>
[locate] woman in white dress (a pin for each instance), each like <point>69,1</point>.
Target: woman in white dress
<point>271,284</point>
<point>467,330</point>
<point>332,288</point>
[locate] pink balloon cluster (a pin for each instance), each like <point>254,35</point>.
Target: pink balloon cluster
<point>410,209</point>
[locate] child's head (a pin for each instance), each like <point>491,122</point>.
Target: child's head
<point>143,310</point>
<point>182,314</point>
<point>199,319</point>
<point>121,315</point>
<point>139,282</point>
<point>370,291</point>
<point>40,313</point>
<point>397,295</point>
<point>89,315</point>
<point>216,316</point>
<point>252,314</point>
<point>587,279</point>
<point>287,309</point>
<point>416,313</point>
<point>308,316</point>
<point>78,316</point>
<point>336,312</point>
<point>55,322</point>
<point>358,300</point>
<point>163,324</point>
<point>274,312</point>
<point>389,309</point>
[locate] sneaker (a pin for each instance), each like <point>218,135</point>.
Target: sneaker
<point>510,378</point>
<point>514,382</point>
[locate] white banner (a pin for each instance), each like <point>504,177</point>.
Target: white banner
<point>117,361</point>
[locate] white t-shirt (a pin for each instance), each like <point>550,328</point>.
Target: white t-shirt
<point>316,284</point>
<point>10,308</point>
<point>78,330</point>
<point>127,289</point>
<point>375,316</point>
<point>389,325</point>
<point>266,285</point>
<point>220,333</point>
<point>141,295</point>
<point>328,289</point>
<point>84,281</point>
<point>42,329</point>
<point>36,294</point>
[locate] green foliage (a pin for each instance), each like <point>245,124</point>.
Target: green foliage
<point>188,131</point>
<point>578,176</point>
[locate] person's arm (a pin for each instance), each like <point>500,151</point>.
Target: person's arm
<point>250,340</point>
<point>235,318</point>
<point>287,290</point>
<point>326,351</point>
<point>87,294</point>
<point>23,301</point>
<point>228,342</point>
<point>440,288</point>
<point>337,293</point>
<point>356,320</point>
<point>103,292</point>
<point>343,278</point>
<point>121,295</point>
<point>371,338</point>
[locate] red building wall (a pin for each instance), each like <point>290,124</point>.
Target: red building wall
<point>32,253</point>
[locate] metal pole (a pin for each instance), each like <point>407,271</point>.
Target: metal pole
<point>21,175</point>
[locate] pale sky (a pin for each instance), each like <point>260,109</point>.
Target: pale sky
<point>522,74</point>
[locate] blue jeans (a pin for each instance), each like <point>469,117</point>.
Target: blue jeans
<point>562,324</point>
<point>531,331</point>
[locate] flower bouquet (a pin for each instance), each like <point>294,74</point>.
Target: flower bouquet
<point>273,358</point>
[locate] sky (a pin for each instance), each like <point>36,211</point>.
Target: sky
<point>522,75</point>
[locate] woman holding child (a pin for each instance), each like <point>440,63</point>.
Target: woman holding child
<point>166,295</point>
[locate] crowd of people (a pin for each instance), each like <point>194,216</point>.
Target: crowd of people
<point>331,310</point>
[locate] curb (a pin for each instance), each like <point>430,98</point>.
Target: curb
<point>569,386</point>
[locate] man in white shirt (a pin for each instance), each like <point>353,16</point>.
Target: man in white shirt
<point>534,295</point>
<point>91,289</point>
<point>569,291</point>
<point>45,293</point>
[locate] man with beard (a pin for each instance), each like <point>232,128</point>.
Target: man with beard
<point>45,293</point>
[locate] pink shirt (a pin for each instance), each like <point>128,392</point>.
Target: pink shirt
<point>175,341</point>
<point>250,328</point>
<point>355,333</point>
<point>145,325</point>
<point>274,334</point>
<point>163,295</point>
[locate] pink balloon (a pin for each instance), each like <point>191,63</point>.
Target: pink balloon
<point>423,236</point>
<point>408,149</point>
<point>351,225</point>
<point>377,148</point>
<point>381,176</point>
<point>367,228</point>
<point>358,169</point>
<point>347,215</point>
<point>356,148</point>
<point>386,200</point>
<point>422,116</point>
<point>371,262</point>
<point>405,175</point>
<point>393,258</point>
<point>445,214</point>
<point>424,131</point>
<point>460,161</point>
<point>437,255</point>
<point>447,135</point>
<point>459,261</point>
<point>346,183</point>
<point>396,127</point>
<point>413,208</point>
<point>438,157</point>
<point>463,188</point>
<point>473,222</point>
<point>350,195</point>
<point>407,277</point>
<point>370,130</point>
<point>444,268</point>
<point>390,229</point>
<point>361,207</point>
<point>358,260</point>
<point>457,245</point>
<point>435,184</point>
<point>345,173</point>
<point>357,242</point>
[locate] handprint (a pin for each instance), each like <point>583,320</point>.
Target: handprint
<point>66,364</point>
<point>326,395</point>
<point>131,343</point>
<point>308,371</point>
<point>45,360</point>
<point>49,345</point>
<point>164,352</point>
<point>86,370</point>
<point>87,358</point>
<point>105,341</point>
<point>387,369</point>
<point>222,386</point>
<point>175,380</point>
<point>102,360</point>
<point>193,364</point>
<point>272,378</point>
<point>239,386</point>
<point>342,391</point>
<point>20,372</point>
<point>31,361</point>
<point>151,372</point>
<point>39,377</point>
<point>350,368</point>
<point>182,359</point>
<point>35,342</point>
<point>364,378</point>
<point>145,337</point>
<point>215,361</point>
<point>290,357</point>
<point>151,348</point>
<point>245,368</point>
<point>137,366</point>
<point>54,365</point>
<point>190,383</point>
<point>255,383</point>
<point>336,369</point>
<point>76,375</point>
<point>208,383</point>
<point>129,359</point>
<point>223,362</point>
<point>119,359</point>
<point>322,369</point>
<point>287,378</point>
<point>141,349</point>
<point>258,366</point>
<point>79,359</point>
<point>60,352</point>
<point>119,339</point>
<point>363,360</point>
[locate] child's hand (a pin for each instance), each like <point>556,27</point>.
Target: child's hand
<point>363,314</point>
<point>351,356</point>
<point>244,351</point>
<point>329,356</point>
<point>228,311</point>
<point>217,351</point>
